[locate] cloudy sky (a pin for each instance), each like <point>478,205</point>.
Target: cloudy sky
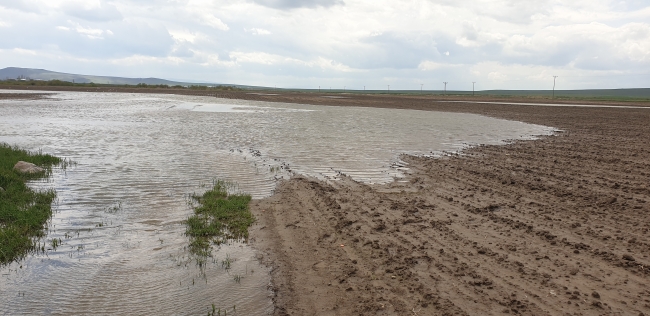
<point>500,44</point>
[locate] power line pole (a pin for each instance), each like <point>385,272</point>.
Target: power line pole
<point>318,89</point>
<point>473,82</point>
<point>554,77</point>
<point>445,82</point>
<point>388,88</point>
<point>421,85</point>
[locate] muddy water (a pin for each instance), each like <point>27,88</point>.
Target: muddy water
<point>119,211</point>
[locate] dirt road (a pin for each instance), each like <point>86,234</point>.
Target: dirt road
<point>549,227</point>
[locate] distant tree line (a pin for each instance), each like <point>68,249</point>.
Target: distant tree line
<point>61,83</point>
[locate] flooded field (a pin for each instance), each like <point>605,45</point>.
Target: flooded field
<point>120,209</point>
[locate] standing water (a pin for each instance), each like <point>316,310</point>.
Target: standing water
<point>120,210</point>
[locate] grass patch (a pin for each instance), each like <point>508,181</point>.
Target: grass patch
<point>23,211</point>
<point>218,217</point>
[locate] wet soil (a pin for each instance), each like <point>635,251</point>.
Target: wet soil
<point>548,227</point>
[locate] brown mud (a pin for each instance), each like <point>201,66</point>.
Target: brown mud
<point>548,227</point>
<point>23,96</point>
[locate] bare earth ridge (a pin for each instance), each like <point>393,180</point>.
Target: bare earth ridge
<point>548,227</point>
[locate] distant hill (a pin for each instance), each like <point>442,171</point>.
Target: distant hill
<point>42,74</point>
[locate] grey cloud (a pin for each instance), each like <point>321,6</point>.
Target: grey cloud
<point>292,4</point>
<point>127,39</point>
<point>394,51</point>
<point>517,11</point>
<point>138,38</point>
<point>631,5</point>
<point>182,51</point>
<point>106,12</point>
<point>513,11</point>
<point>21,5</point>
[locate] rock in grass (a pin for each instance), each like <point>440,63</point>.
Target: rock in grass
<point>27,167</point>
<point>2,189</point>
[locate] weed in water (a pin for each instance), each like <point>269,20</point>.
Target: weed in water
<point>217,218</point>
<point>23,211</point>
<point>114,209</point>
<point>56,242</point>
<point>226,263</point>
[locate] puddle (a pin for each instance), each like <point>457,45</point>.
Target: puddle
<point>120,211</point>
<point>209,107</point>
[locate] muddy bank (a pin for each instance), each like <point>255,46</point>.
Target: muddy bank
<point>23,96</point>
<point>548,227</point>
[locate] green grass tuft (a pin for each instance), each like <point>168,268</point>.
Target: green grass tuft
<point>23,211</point>
<point>217,218</point>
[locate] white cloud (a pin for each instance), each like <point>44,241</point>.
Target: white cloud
<point>292,4</point>
<point>183,36</point>
<point>25,51</point>
<point>92,10</point>
<point>213,21</point>
<point>428,65</point>
<point>257,58</point>
<point>90,32</point>
<point>329,64</point>
<point>138,60</point>
<point>271,59</point>
<point>257,31</point>
<point>497,76</point>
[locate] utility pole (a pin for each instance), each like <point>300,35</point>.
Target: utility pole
<point>473,82</point>
<point>388,88</point>
<point>445,82</point>
<point>554,77</point>
<point>318,89</point>
<point>421,85</point>
<point>343,89</point>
